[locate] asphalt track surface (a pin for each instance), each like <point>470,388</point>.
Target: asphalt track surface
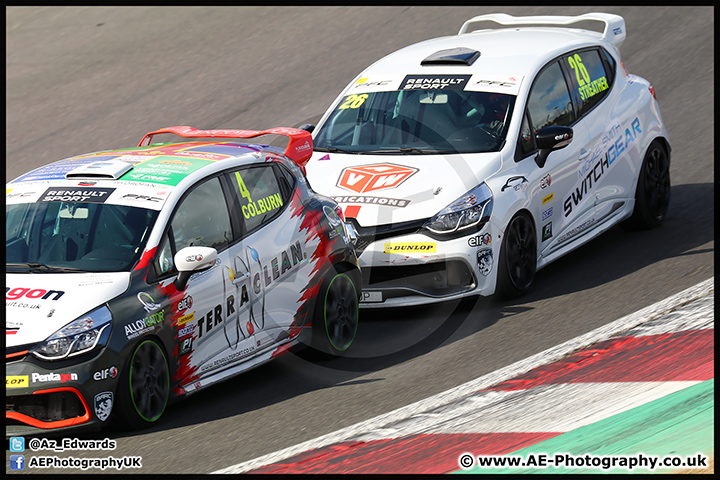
<point>84,79</point>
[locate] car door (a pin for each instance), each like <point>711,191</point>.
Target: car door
<point>550,103</point>
<point>270,254</point>
<point>208,333</point>
<point>605,172</point>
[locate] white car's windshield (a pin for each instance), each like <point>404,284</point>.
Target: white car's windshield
<point>60,236</point>
<point>417,121</point>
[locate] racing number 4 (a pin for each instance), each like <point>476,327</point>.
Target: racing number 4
<point>353,101</point>
<point>576,64</point>
<point>243,189</point>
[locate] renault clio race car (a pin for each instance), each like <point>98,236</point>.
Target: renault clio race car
<point>468,162</point>
<point>140,275</point>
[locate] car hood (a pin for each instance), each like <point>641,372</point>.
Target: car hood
<point>386,189</point>
<point>39,304</point>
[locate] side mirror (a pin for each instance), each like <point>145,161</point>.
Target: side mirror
<point>549,139</point>
<point>191,260</point>
<point>308,127</point>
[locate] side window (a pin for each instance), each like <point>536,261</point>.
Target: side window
<point>527,140</point>
<point>201,219</point>
<point>588,78</point>
<point>549,102</point>
<point>258,193</point>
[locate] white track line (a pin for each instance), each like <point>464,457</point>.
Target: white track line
<point>550,355</point>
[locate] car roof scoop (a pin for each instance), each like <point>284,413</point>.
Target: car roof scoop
<point>452,56</point>
<point>100,170</point>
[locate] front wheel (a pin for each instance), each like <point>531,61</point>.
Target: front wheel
<point>518,257</point>
<point>336,315</point>
<point>652,196</point>
<point>144,387</point>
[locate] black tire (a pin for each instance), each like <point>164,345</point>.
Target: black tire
<point>518,257</point>
<point>652,195</point>
<point>336,314</point>
<point>144,387</point>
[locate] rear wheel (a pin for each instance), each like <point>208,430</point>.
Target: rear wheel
<point>652,196</point>
<point>336,315</point>
<point>518,257</point>
<point>144,387</point>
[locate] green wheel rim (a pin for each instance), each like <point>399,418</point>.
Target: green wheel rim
<point>149,381</point>
<point>340,311</point>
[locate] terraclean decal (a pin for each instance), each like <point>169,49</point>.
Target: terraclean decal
<point>615,143</point>
<point>370,178</point>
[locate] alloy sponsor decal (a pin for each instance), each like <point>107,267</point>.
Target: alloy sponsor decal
<point>547,198</point>
<point>547,231</point>
<point>434,82</point>
<point>547,214</point>
<point>616,142</point>
<point>17,381</point>
<point>485,261</point>
<point>70,194</point>
<point>370,178</point>
<point>384,201</point>
<point>409,248</point>
<point>103,404</point>
<point>111,372</point>
<point>479,240</point>
<point>54,377</point>
<point>144,325</point>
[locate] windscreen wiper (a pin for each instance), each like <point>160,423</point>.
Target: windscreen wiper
<point>41,267</point>
<point>331,150</point>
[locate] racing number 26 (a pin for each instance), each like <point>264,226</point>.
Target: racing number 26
<point>576,64</point>
<point>353,101</point>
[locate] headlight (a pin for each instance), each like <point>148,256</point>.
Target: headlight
<point>470,210</point>
<point>81,336</point>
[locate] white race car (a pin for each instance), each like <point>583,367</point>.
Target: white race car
<point>138,276</point>
<point>468,162</point>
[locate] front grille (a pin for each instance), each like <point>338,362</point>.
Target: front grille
<point>436,279</point>
<point>47,407</point>
<point>368,235</point>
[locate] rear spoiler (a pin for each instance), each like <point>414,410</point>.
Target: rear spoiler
<point>614,24</point>
<point>299,148</point>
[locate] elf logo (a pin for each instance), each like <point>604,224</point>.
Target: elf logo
<point>105,374</point>
<point>370,178</point>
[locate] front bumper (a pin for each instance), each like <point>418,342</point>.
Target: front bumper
<point>414,268</point>
<point>52,397</point>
